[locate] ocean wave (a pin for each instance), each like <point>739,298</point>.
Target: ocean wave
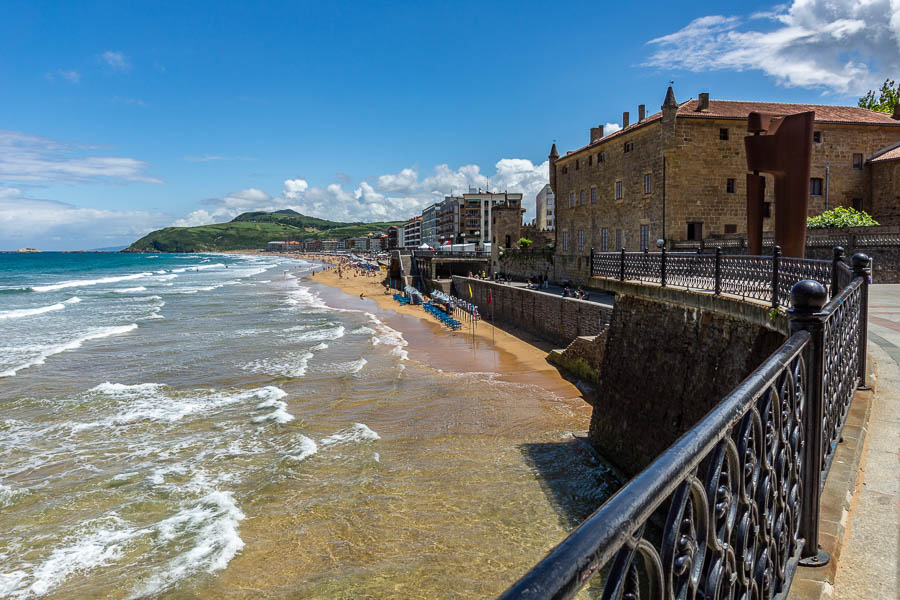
<point>320,335</point>
<point>164,277</point>
<point>9,496</point>
<point>348,368</point>
<point>279,415</point>
<point>294,365</point>
<point>28,312</point>
<point>359,432</point>
<point>16,290</point>
<point>49,351</point>
<point>131,290</point>
<point>305,298</point>
<point>389,337</point>
<point>363,331</point>
<point>87,282</point>
<point>303,450</point>
<point>212,527</point>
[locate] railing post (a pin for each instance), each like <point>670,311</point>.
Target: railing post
<point>776,256</point>
<point>662,268</point>
<point>718,287</point>
<point>862,267</point>
<point>808,297</point>
<point>592,262</point>
<point>622,266</point>
<point>835,259</point>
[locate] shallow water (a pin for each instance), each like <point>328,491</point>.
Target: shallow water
<point>187,430</point>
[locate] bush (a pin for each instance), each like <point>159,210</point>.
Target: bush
<point>840,217</point>
<point>524,243</point>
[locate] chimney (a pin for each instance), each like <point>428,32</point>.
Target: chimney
<point>896,114</point>
<point>703,102</point>
<point>596,133</point>
<point>624,119</point>
<point>641,108</point>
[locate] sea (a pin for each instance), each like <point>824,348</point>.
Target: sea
<point>222,426</point>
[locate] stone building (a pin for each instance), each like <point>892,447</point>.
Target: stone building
<point>544,209</point>
<point>681,174</point>
<point>884,184</point>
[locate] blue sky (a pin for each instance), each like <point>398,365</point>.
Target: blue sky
<point>118,118</point>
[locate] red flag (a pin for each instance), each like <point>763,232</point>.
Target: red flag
<point>489,296</point>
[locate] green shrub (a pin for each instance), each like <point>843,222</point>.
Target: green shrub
<point>840,217</point>
<point>524,243</point>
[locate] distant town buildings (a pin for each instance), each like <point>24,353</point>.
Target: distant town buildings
<point>412,232</point>
<point>429,225</point>
<point>544,206</point>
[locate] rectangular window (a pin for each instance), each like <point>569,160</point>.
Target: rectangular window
<point>815,186</point>
<point>695,231</point>
<point>582,197</point>
<point>857,204</point>
<point>581,240</point>
<point>767,210</point>
<point>647,183</point>
<point>565,170</point>
<point>729,186</point>
<point>604,239</point>
<point>723,133</point>
<point>629,146</point>
<point>645,237</point>
<point>817,137</point>
<point>731,229</point>
<point>565,241</point>
<point>601,157</point>
<point>620,239</point>
<point>857,161</point>
<point>618,190</point>
<point>576,164</point>
<point>593,195</point>
<point>572,200</point>
<point>590,159</point>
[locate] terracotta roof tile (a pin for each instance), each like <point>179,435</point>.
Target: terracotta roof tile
<point>736,109</point>
<point>887,154</point>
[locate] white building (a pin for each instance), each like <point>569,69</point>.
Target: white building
<point>545,205</point>
<point>429,225</point>
<point>412,232</point>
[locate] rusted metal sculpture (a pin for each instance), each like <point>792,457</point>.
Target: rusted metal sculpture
<point>785,152</point>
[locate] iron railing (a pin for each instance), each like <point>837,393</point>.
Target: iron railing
<point>448,254</point>
<point>766,278</point>
<point>731,508</point>
<point>819,239</point>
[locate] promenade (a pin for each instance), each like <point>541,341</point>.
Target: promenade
<point>869,565</point>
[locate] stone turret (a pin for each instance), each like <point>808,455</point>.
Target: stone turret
<point>669,106</point>
<point>554,156</point>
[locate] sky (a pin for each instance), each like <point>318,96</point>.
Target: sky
<point>120,118</point>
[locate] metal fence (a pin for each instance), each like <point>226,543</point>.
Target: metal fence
<point>731,508</point>
<point>766,278</point>
<point>447,254</point>
<point>878,239</point>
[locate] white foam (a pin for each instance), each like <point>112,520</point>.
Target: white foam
<point>92,547</point>
<point>27,312</point>
<point>121,390</point>
<point>303,450</point>
<point>357,433</point>
<point>48,351</point>
<point>363,331</point>
<point>293,365</point>
<point>87,282</point>
<point>350,368</point>
<point>8,497</point>
<point>213,527</point>
<point>318,347</point>
<point>279,415</point>
<point>320,335</point>
<point>164,277</point>
<point>389,337</point>
<point>131,290</point>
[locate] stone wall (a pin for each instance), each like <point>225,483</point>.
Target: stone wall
<point>553,318</point>
<point>665,366</point>
<point>523,265</point>
<point>884,183</point>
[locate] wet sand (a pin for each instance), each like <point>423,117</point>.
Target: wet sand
<point>516,356</point>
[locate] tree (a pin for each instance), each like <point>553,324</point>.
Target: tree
<point>888,98</point>
<point>840,217</point>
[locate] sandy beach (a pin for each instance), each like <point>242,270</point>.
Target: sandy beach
<point>517,356</point>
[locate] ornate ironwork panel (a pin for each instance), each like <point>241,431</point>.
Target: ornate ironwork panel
<point>792,270</point>
<point>693,271</point>
<point>747,276</point>
<point>841,345</point>
<point>606,264</point>
<point>731,489</point>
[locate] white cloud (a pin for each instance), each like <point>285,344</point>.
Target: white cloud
<point>843,46</point>
<point>611,128</point>
<point>131,101</point>
<point>25,157</point>
<point>116,60</point>
<point>70,75</point>
<point>36,222</point>
<point>405,181</point>
<point>293,188</point>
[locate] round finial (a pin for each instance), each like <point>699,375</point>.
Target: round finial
<point>838,251</point>
<point>808,295</point>
<point>860,261</point>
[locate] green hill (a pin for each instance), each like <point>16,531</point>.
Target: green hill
<point>250,231</point>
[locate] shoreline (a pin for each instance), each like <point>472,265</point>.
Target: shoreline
<point>516,357</point>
